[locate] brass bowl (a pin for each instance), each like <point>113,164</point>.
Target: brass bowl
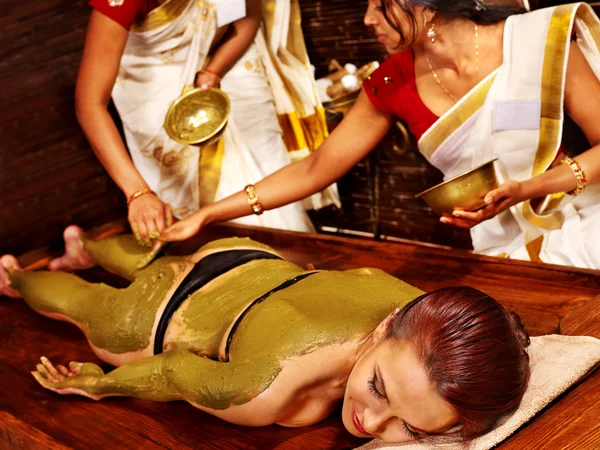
<point>198,116</point>
<point>465,191</point>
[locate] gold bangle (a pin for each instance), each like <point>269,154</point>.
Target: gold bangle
<point>257,208</point>
<point>579,175</point>
<point>139,193</point>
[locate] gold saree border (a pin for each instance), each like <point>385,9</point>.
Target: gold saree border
<point>586,13</point>
<point>534,248</point>
<point>210,164</point>
<point>303,133</point>
<point>293,136</point>
<point>447,125</point>
<point>161,16</point>
<point>551,120</point>
<point>315,128</point>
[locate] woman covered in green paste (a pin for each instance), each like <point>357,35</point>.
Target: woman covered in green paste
<point>255,340</point>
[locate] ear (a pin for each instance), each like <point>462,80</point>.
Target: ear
<point>424,12</point>
<point>381,330</point>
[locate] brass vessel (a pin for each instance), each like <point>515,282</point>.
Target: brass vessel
<point>198,117</point>
<point>465,191</point>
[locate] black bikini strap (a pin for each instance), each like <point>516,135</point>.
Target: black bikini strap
<point>205,270</point>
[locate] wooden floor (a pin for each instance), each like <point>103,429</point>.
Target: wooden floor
<point>548,298</point>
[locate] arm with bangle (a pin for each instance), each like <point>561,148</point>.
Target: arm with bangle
<point>105,41</point>
<point>352,140</point>
<point>236,41</point>
<point>574,174</point>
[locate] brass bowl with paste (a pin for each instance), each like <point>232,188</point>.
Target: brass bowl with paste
<point>464,192</point>
<point>198,117</point>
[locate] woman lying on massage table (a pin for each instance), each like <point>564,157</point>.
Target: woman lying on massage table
<point>255,340</point>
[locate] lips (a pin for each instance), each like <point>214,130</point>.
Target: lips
<point>357,424</point>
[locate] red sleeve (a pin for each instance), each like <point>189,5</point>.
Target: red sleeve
<point>381,87</point>
<point>125,13</point>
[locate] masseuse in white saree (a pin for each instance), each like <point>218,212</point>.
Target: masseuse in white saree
<point>474,80</point>
<point>146,53</point>
<point>516,114</point>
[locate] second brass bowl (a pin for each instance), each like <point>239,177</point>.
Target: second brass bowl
<point>198,116</point>
<point>465,191</point>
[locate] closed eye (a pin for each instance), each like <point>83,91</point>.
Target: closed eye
<point>373,388</point>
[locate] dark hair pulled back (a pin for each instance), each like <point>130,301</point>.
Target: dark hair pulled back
<point>474,351</point>
<point>481,12</point>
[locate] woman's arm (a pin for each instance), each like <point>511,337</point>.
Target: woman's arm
<point>359,132</point>
<point>582,104</point>
<point>212,386</point>
<point>238,38</point>
<point>104,44</point>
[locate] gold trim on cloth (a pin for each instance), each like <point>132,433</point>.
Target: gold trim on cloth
<point>295,42</point>
<point>315,128</point>
<point>551,120</point>
<point>586,13</point>
<point>534,248</point>
<point>306,132</point>
<point>445,126</point>
<point>209,170</point>
<point>293,136</point>
<point>163,15</point>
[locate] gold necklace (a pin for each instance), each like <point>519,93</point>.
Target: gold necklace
<point>435,75</point>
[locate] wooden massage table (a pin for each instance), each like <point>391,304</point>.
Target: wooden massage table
<point>549,299</point>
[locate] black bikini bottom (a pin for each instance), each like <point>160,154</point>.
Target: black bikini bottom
<point>205,270</point>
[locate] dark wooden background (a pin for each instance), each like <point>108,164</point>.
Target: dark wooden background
<point>49,177</point>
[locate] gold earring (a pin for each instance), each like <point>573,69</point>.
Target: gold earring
<point>431,34</point>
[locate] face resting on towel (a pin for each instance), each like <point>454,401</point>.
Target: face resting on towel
<point>255,340</point>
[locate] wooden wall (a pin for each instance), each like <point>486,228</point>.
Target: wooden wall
<point>48,174</point>
<point>49,177</point>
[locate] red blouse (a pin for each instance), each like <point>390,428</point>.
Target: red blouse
<point>392,89</point>
<point>127,13</point>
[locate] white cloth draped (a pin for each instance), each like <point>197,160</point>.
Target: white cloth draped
<point>160,61</point>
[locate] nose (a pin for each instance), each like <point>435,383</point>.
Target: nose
<point>370,19</point>
<point>374,421</point>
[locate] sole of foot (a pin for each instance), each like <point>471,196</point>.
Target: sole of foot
<point>8,262</point>
<point>75,257</point>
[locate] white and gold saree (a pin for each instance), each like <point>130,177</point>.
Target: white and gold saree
<point>299,109</point>
<point>161,58</point>
<point>516,115</point>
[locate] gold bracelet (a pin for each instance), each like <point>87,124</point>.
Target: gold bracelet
<point>139,193</point>
<point>579,175</point>
<point>253,200</point>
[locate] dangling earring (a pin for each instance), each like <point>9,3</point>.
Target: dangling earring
<point>431,34</point>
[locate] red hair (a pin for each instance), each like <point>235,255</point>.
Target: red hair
<point>474,352</point>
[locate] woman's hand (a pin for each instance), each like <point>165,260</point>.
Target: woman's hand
<point>149,217</point>
<point>184,229</point>
<point>207,79</point>
<point>497,200</point>
<point>78,379</point>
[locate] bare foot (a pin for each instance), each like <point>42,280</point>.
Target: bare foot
<point>75,257</point>
<point>8,262</point>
